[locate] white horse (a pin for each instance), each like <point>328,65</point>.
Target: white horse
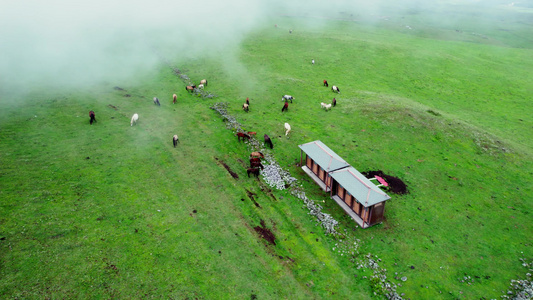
<point>201,86</point>
<point>327,106</point>
<point>288,127</point>
<point>134,119</point>
<point>322,104</point>
<point>204,82</point>
<point>287,98</point>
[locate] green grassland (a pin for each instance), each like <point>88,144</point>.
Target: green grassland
<point>114,211</point>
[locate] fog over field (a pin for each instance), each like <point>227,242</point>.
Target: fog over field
<point>65,43</point>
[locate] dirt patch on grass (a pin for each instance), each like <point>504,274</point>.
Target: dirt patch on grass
<point>396,185</point>
<point>267,191</point>
<point>113,107</point>
<point>251,196</point>
<point>233,174</point>
<point>265,233</point>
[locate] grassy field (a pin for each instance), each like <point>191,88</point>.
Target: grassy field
<point>114,211</point>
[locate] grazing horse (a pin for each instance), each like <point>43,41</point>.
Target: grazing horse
<point>242,135</point>
<point>93,118</point>
<point>251,133</point>
<point>335,89</point>
<point>327,107</point>
<point>254,171</point>
<point>246,107</point>
<point>175,140</point>
<point>288,127</point>
<point>285,106</point>
<point>156,101</point>
<point>247,101</point>
<point>322,104</point>
<point>204,82</point>
<point>287,98</point>
<point>334,102</point>
<point>255,160</point>
<point>134,119</point>
<point>257,154</point>
<point>201,86</point>
<point>326,83</point>
<point>174,98</point>
<point>268,141</point>
<point>190,88</point>
<point>256,165</point>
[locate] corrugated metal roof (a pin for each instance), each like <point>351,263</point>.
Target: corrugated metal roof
<point>366,192</point>
<point>323,156</point>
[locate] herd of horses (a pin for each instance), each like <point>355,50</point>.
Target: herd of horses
<point>255,157</point>
<point>255,160</point>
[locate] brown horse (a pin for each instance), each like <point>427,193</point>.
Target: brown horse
<point>254,171</point>
<point>242,135</point>
<point>334,102</point>
<point>190,88</point>
<point>257,154</point>
<point>326,83</point>
<point>255,160</point>
<point>93,118</point>
<point>256,165</point>
<point>252,133</point>
<point>175,98</point>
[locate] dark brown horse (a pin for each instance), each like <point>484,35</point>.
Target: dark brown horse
<point>255,162</point>
<point>334,102</point>
<point>254,171</point>
<point>93,118</point>
<point>247,101</point>
<point>242,135</point>
<point>325,82</point>
<point>256,165</point>
<point>268,141</point>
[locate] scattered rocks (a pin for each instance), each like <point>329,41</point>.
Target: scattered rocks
<point>521,289</point>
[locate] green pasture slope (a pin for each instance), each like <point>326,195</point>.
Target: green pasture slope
<point>114,211</point>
